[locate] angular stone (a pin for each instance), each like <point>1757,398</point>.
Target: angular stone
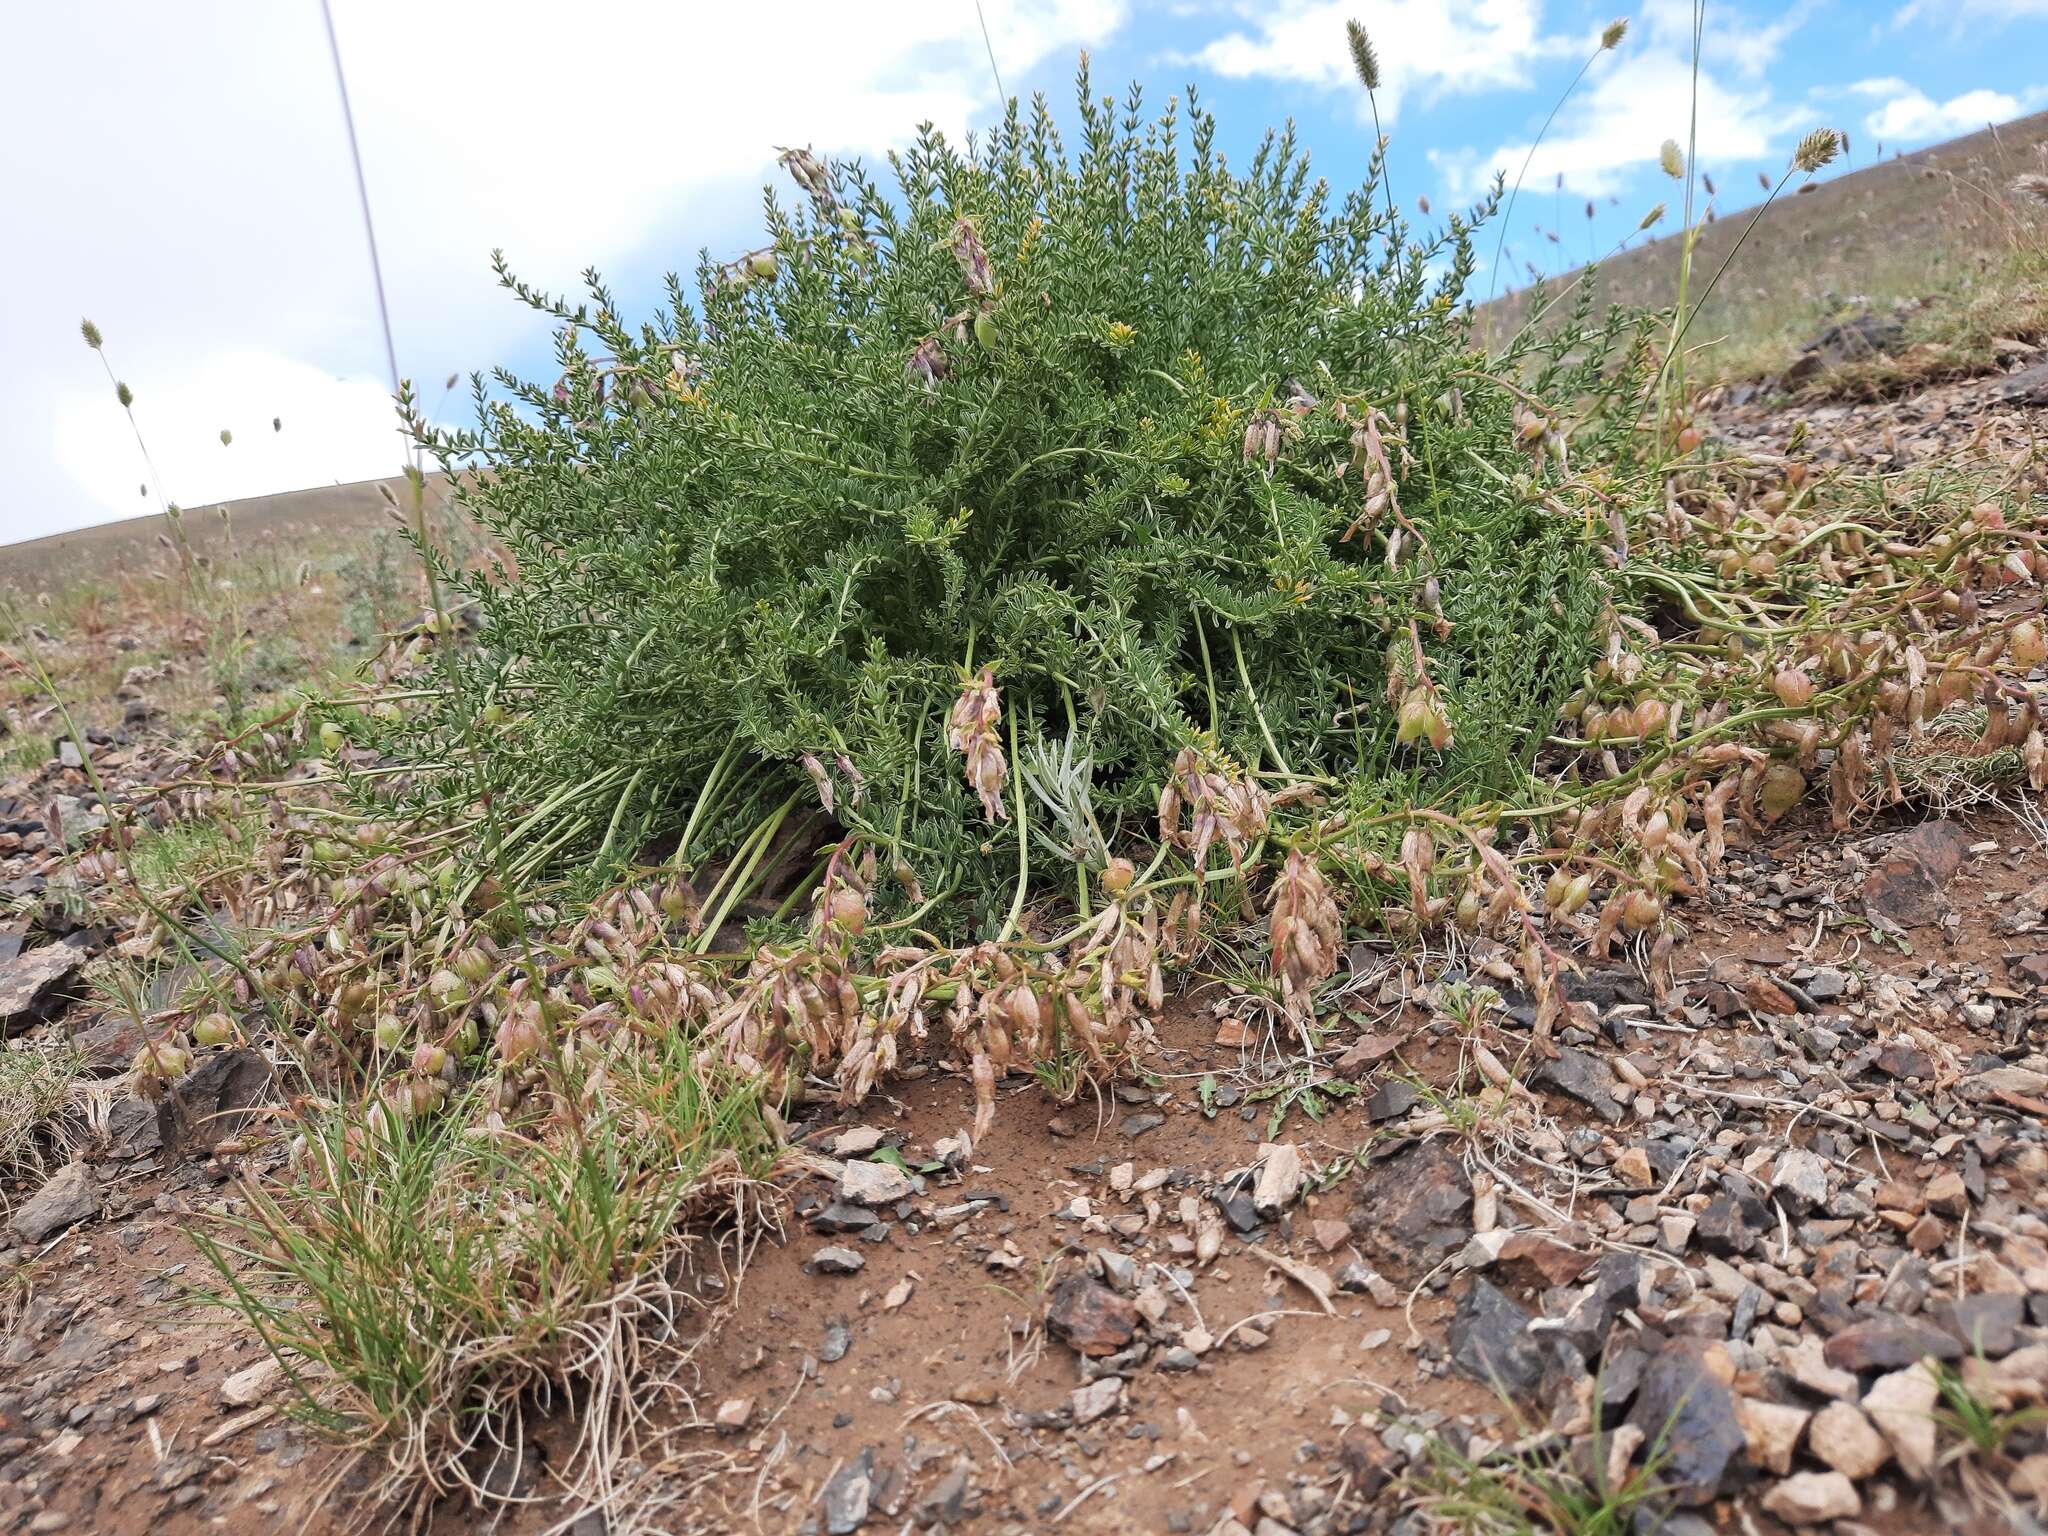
<point>1802,1178</point>
<point>837,1261</point>
<point>849,1494</point>
<point>1097,1400</point>
<point>1771,1432</point>
<point>1690,1406</point>
<point>1987,1324</point>
<point>1808,1498</point>
<point>1901,1405</point>
<point>70,1195</point>
<point>1490,1342</point>
<point>1887,1342</point>
<point>865,1183</point>
<point>1842,1437</point>
<point>1905,887</point>
<point>252,1383</point>
<point>35,982</point>
<point>1279,1179</point>
<point>1090,1317</point>
<point>1586,1078</point>
<point>1413,1208</point>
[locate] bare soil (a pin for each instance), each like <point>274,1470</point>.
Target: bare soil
<point>1876,1001</point>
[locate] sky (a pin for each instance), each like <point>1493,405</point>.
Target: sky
<point>180,174</point>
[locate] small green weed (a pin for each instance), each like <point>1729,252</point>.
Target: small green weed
<point>37,1103</point>
<point>1978,1427</point>
<point>423,1274</point>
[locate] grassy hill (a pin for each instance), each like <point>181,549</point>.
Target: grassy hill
<point>1939,224</point>
<point>294,519</point>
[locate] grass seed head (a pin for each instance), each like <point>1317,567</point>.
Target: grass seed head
<point>1364,58</point>
<point>1671,159</point>
<point>91,333</point>
<point>1612,34</point>
<point>1817,149</point>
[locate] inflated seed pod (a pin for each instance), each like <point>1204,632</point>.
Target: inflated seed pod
<point>214,1029</point>
<point>1793,687</point>
<point>1781,789</point>
<point>1642,910</point>
<point>2026,645</point>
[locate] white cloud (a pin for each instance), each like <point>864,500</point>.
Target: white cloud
<point>1910,115</point>
<point>1437,47</point>
<point>188,187</point>
<point>1957,11</point>
<point>1612,128</point>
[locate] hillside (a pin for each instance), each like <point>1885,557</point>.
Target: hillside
<point>1936,221</point>
<point>127,546</point>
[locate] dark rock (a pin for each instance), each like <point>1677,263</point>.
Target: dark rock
<point>2027,387</point>
<point>1846,341</point>
<point>1586,1078</point>
<point>1090,1317</point>
<point>1412,1208</point>
<point>841,1216</point>
<point>132,1129</point>
<point>847,1496</point>
<point>945,1502</point>
<point>1239,1211</point>
<point>1391,1100</point>
<point>1689,1409</point>
<point>2031,969</point>
<point>71,1195</point>
<point>838,1340</point>
<point>36,983</point>
<point>1723,1228</point>
<point>1987,1324</point>
<point>110,1045</point>
<point>1901,1058</point>
<point>1888,1342</point>
<point>1490,1342</point>
<point>1616,1286</point>
<point>837,1261</point>
<point>1138,1125</point>
<point>1905,887</point>
<point>214,1100</point>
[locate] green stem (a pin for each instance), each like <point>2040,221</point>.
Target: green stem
<point>1245,676</point>
<point>1023,839</point>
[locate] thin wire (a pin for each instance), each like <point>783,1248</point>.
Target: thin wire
<point>991,47</point>
<point>355,155</point>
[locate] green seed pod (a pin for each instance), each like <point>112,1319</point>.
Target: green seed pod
<point>985,331</point>
<point>214,1029</point>
<point>762,264</point>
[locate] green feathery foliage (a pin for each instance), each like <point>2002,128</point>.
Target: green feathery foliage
<point>1105,424</point>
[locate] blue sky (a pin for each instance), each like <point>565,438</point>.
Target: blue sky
<point>179,173</point>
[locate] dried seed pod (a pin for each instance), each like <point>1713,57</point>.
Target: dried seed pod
<point>972,731</point>
<point>1782,787</point>
<point>1793,687</point>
